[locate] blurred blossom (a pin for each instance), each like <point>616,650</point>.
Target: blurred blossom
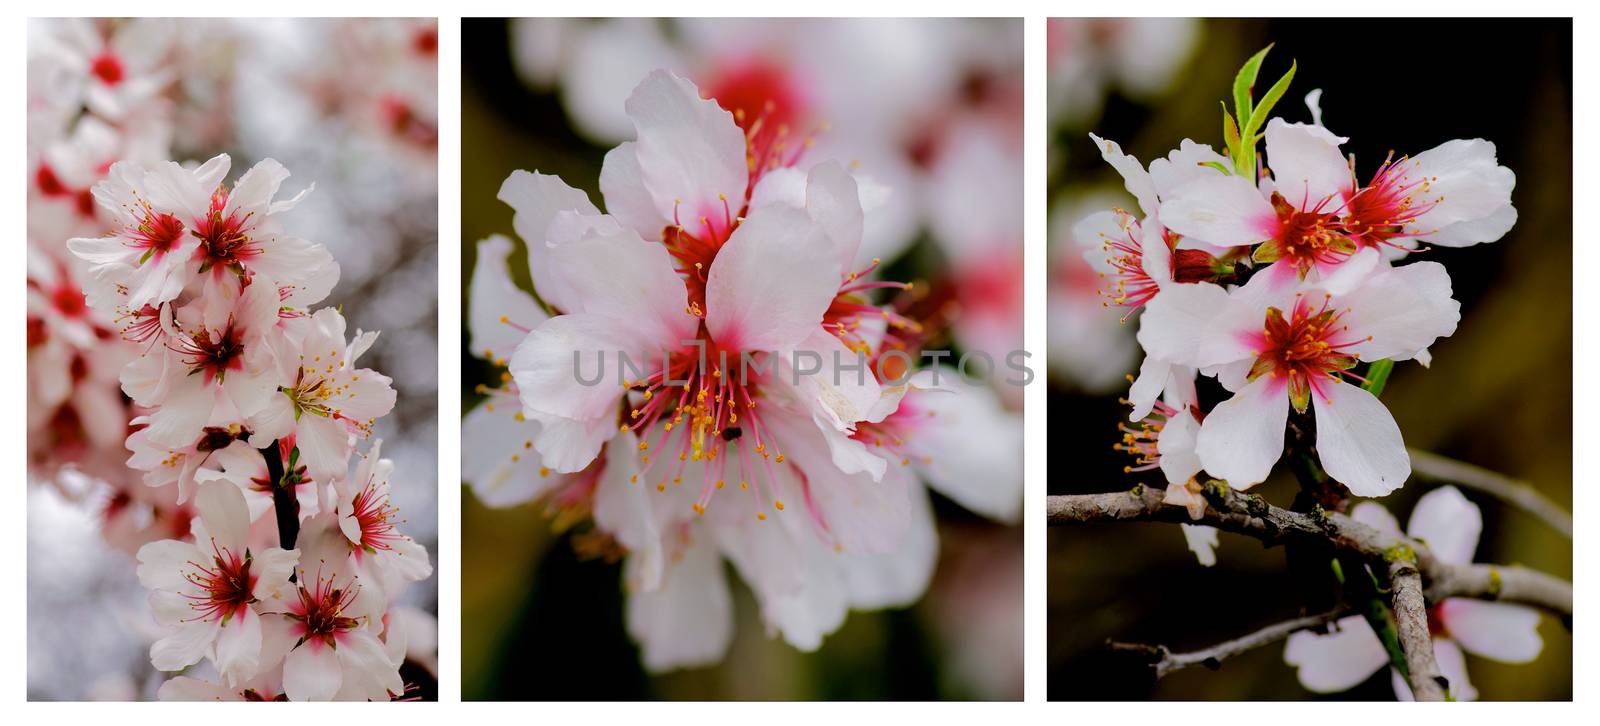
<point>974,603</point>
<point>974,200</point>
<point>1091,57</point>
<point>804,78</point>
<point>1091,347</point>
<point>140,91</point>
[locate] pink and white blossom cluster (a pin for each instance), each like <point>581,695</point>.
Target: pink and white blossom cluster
<point>98,92</point>
<point>1286,284</point>
<point>254,408</point>
<point>1293,280</point>
<point>722,238</point>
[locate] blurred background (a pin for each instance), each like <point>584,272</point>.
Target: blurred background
<point>350,105</point>
<point>1499,391</point>
<point>931,108</point>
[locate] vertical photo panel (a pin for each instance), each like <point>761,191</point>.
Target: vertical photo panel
<point>1303,298</point>
<point>742,389</point>
<point>232,264</point>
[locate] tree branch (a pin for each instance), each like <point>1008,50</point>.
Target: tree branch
<point>1164,661</point>
<point>1251,515</point>
<point>284,502</point>
<point>1411,621</point>
<point>1520,494</point>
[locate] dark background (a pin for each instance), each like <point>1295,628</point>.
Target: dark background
<point>1498,394</point>
<point>539,623</point>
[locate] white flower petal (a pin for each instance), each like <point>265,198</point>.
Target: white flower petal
<point>1134,176</point>
<point>691,153</point>
<point>1202,541</point>
<point>1494,630</point>
<point>1242,437</point>
<point>1221,210</point>
<point>1448,523</point>
<point>1306,163</point>
<point>688,621</point>
<point>1338,661</point>
<point>771,282</point>
<point>537,198</point>
<point>311,672</point>
<point>1358,442</point>
<point>1176,444</point>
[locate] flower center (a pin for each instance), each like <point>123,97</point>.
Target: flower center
<point>1128,285</point>
<point>140,325</point>
<point>1142,441</point>
<point>156,234</point>
<point>1306,237</point>
<point>214,356</point>
<point>426,40</point>
<point>851,308</point>
<point>68,299</point>
<point>49,184</point>
<point>697,411</point>
<point>223,240</point>
<point>405,123</point>
<point>377,518</point>
<point>226,583</point>
<point>1307,348</point>
<point>765,102</point>
<point>108,68</point>
<point>1379,212</point>
<point>695,247</point>
<point>320,610</point>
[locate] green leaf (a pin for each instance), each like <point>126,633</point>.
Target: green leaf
<point>1230,133</point>
<point>1244,84</point>
<point>1258,117</point>
<point>1378,376</point>
<point>1338,570</point>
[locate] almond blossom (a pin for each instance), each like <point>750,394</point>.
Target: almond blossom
<point>1283,282</point>
<point>1291,348</point>
<point>254,400</point>
<point>370,521</point>
<point>114,68</point>
<point>330,625</point>
<point>177,225</point>
<point>702,438</point>
<point>1313,219</point>
<point>1350,653</point>
<point>329,402</point>
<point>210,592</point>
